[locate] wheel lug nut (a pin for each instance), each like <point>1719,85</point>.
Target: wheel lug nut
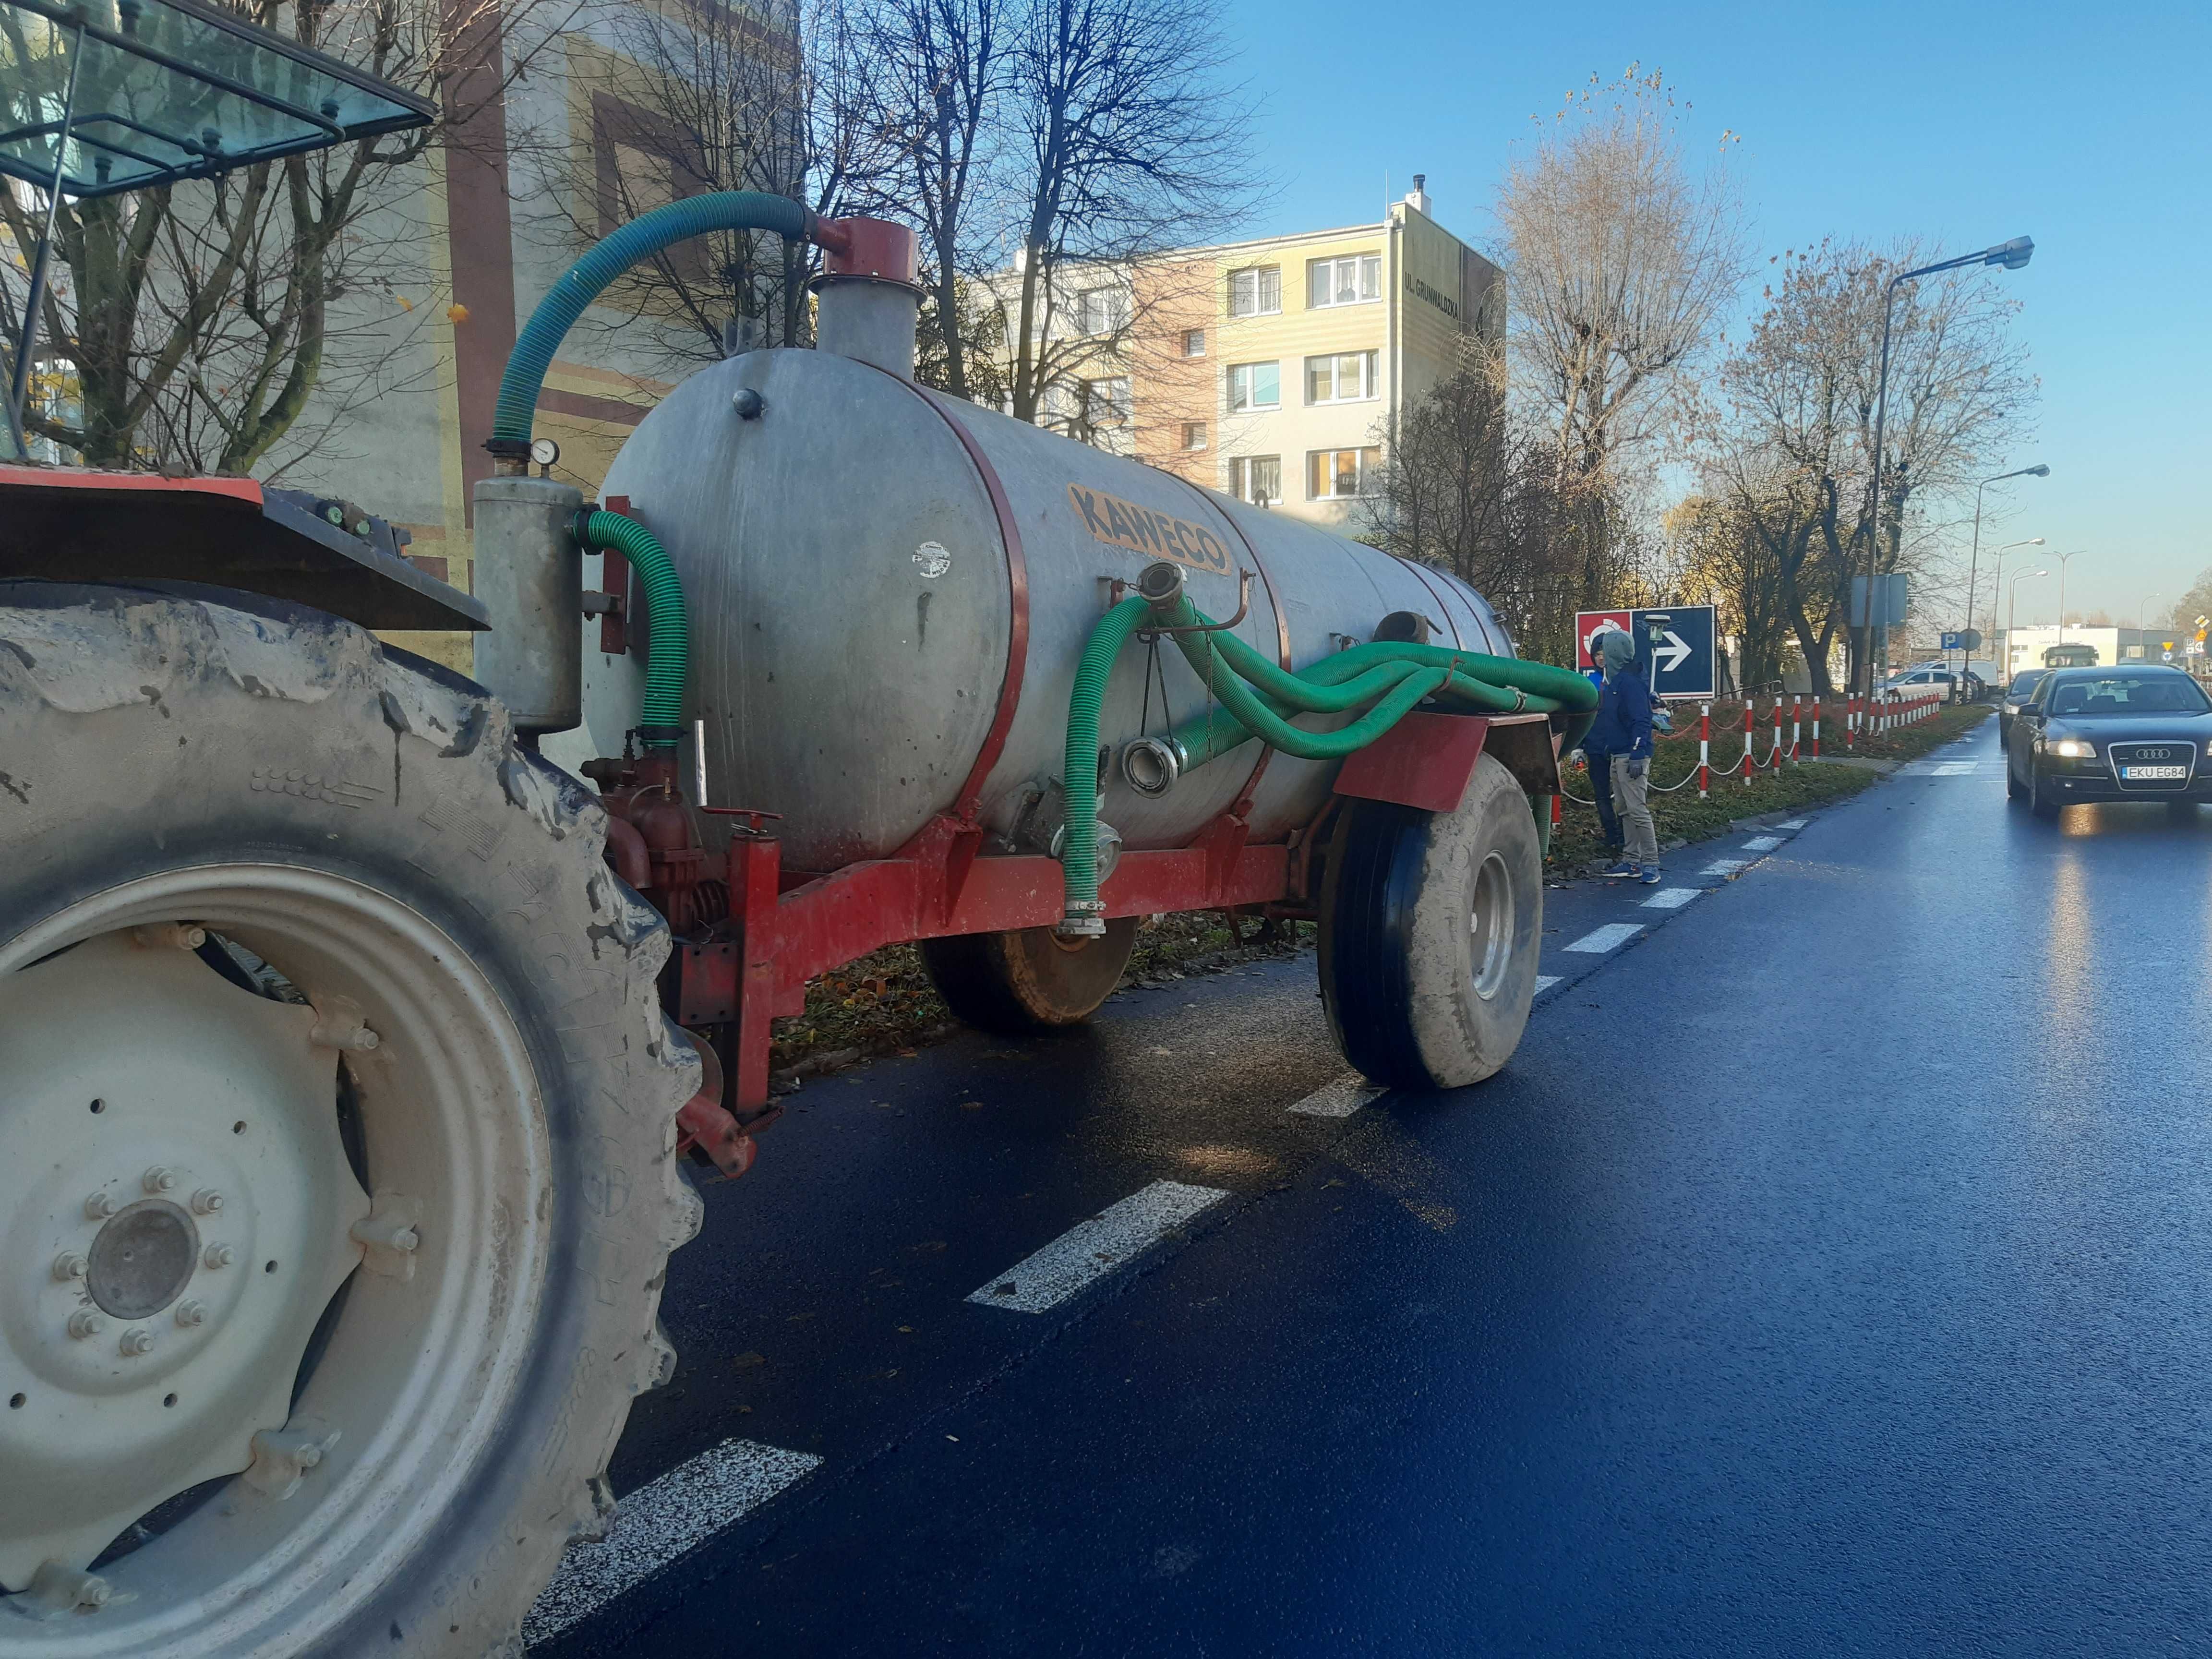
<point>98,1207</point>
<point>85,1322</point>
<point>218,1256</point>
<point>136,1342</point>
<point>191,1313</point>
<point>181,935</point>
<point>206,1201</point>
<point>159,1179</point>
<point>70,1265</point>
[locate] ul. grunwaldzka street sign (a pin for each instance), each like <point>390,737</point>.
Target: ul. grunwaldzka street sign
<point>1677,640</point>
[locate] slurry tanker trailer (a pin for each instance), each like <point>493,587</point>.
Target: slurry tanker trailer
<point>354,1015</point>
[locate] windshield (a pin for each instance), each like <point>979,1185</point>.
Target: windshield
<point>2023,685</point>
<point>2092,696</point>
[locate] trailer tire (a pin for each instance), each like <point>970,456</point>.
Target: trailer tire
<point>436,949</point>
<point>1029,979</point>
<point>1430,928</point>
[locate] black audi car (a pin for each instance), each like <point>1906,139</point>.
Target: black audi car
<point>2111,734</point>
<point>2021,688</point>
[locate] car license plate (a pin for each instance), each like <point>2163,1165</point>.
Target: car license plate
<point>2149,774</point>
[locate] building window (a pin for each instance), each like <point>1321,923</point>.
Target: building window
<point>1102,310</point>
<point>1352,281</point>
<point>1194,435</point>
<point>1343,377</point>
<point>1256,291</point>
<point>1335,475</point>
<point>1257,479</point>
<point>1106,402</point>
<point>1194,343</point>
<point>1255,385</point>
<point>2132,651</point>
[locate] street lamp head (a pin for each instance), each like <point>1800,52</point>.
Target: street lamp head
<point>2011,255</point>
<point>2036,471</point>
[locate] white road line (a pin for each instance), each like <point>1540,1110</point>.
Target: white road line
<point>1955,770</point>
<point>1671,898</point>
<point>1091,1249</point>
<point>660,1521</point>
<point>1546,981</point>
<point>1793,824</point>
<point>1596,944</point>
<point>1725,866</point>
<point>1762,843</point>
<point>1339,1099</point>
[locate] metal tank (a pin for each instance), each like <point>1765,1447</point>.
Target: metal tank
<point>879,576</point>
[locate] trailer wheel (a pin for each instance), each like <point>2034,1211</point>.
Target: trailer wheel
<point>337,1164</point>
<point>1029,980</point>
<point>1429,934</point>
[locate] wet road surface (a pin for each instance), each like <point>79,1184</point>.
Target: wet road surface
<point>1827,1274</point>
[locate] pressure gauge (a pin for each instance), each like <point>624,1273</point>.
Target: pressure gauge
<point>544,451</point>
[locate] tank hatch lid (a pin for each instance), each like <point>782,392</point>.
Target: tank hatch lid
<point>70,524</point>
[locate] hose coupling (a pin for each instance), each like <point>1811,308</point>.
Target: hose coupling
<point>1160,585</point>
<point>1085,918</point>
<point>1106,845</point>
<point>1151,766</point>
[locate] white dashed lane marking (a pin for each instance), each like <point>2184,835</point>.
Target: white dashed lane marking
<point>659,1521</point>
<point>1597,942</point>
<point>1546,981</point>
<point>1340,1098</point>
<point>1090,1250</point>
<point>1671,898</point>
<point>1725,866</point>
<point>1762,844</point>
<point>1793,824</point>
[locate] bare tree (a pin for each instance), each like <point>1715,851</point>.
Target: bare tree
<point>1795,450</point>
<point>1122,141</point>
<point>945,68</point>
<point>1623,261</point>
<point>199,321</point>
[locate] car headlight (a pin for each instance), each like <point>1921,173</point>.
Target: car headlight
<point>2074,749</point>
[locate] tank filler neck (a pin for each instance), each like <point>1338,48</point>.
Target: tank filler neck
<point>868,292</point>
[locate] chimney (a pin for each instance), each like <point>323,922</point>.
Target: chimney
<point>1418,198</point>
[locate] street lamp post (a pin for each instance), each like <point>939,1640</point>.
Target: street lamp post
<point>2011,608</point>
<point>1966,655</point>
<point>2032,541</point>
<point>2011,256</point>
<point>2063,559</point>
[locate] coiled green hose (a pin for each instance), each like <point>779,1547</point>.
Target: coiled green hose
<point>583,282</point>
<point>668,655</point>
<point>1385,679</point>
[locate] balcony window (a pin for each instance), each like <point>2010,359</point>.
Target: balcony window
<point>1343,377</point>
<point>1257,479</point>
<point>1255,291</point>
<point>1353,281</point>
<point>1255,385</point>
<point>1335,475</point>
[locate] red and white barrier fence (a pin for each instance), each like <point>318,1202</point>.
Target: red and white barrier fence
<point>1885,711</point>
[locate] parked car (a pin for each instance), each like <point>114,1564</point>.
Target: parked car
<point>1919,681</point>
<point>2021,688</point>
<point>2111,734</point>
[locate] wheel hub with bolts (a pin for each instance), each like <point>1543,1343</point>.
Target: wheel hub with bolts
<point>179,1213</point>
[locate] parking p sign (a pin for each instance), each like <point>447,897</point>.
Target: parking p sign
<point>1677,641</point>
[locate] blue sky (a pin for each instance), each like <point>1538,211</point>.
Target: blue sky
<point>2083,126</point>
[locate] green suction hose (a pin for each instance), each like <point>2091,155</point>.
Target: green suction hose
<point>1383,679</point>
<point>584,281</point>
<point>660,721</point>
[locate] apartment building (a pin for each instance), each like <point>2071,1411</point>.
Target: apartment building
<point>1272,370</point>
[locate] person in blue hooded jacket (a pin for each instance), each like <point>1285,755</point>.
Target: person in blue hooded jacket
<point>1622,732</point>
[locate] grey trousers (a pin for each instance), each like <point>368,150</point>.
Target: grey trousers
<point>1628,800</point>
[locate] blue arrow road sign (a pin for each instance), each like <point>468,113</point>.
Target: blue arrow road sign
<point>1678,640</point>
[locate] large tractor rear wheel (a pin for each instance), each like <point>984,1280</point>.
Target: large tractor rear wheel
<point>1030,980</point>
<point>337,1173</point>
<point>1431,925</point>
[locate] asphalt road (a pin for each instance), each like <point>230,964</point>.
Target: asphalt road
<point>1729,1319</point>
